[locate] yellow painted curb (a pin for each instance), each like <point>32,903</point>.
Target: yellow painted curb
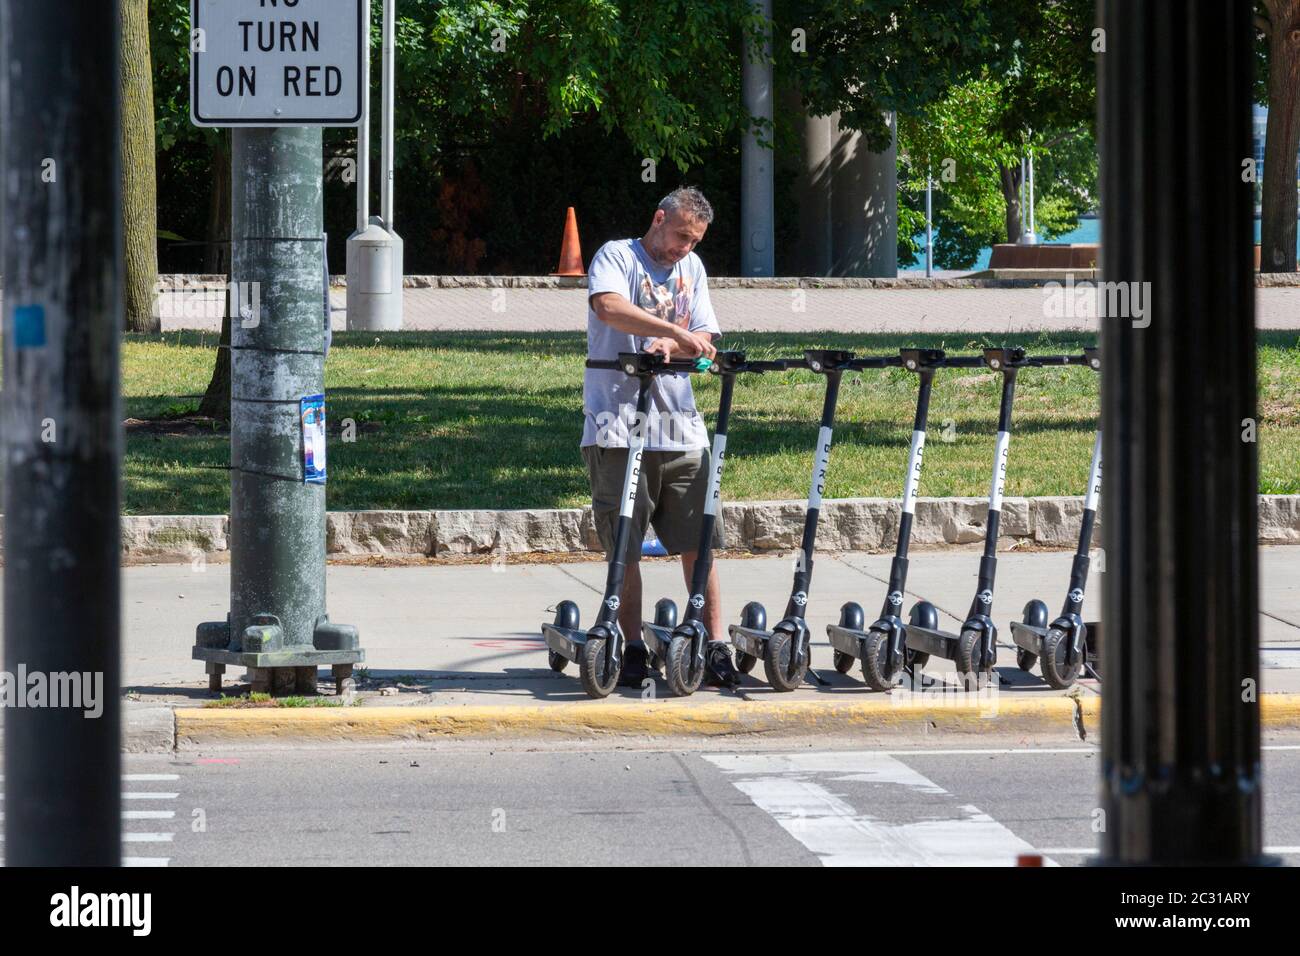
<point>898,714</point>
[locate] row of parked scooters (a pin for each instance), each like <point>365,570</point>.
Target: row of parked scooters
<point>1064,647</point>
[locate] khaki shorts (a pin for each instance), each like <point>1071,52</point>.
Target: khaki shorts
<point>670,495</point>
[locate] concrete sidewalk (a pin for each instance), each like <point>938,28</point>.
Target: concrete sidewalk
<point>455,651</point>
<point>985,310</point>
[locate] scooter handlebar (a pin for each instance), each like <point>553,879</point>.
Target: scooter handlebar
<point>648,363</point>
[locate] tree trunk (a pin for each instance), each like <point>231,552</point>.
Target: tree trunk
<point>216,261</point>
<point>1009,180</point>
<point>1277,252</point>
<point>216,400</point>
<point>216,257</point>
<point>139,188</point>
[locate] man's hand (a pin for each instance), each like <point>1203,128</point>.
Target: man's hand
<point>690,345</point>
<point>664,346</point>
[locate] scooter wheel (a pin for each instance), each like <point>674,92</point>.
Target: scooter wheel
<point>752,616</point>
<point>557,661</point>
<point>967,660</point>
<point>776,662</point>
<point>597,680</point>
<point>1056,672</point>
<point>683,674</point>
<point>875,661</point>
<point>1025,660</point>
<point>843,662</point>
<point>745,662</point>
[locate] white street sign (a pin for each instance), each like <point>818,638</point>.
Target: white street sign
<point>277,62</point>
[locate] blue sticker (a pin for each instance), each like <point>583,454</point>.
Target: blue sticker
<point>29,326</point>
<point>312,413</point>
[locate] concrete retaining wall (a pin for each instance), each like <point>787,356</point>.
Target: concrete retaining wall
<point>847,524</point>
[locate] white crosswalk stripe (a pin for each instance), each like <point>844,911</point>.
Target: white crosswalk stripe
<point>786,786</point>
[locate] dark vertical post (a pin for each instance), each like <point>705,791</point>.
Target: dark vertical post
<point>1180,718</point>
<point>62,431</point>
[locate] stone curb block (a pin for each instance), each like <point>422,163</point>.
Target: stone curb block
<point>846,524</point>
<point>1276,280</point>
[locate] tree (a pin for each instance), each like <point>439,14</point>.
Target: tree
<point>1279,22</point>
<point>139,193</point>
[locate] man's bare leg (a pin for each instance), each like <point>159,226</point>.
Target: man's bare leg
<point>629,608</point>
<point>712,597</point>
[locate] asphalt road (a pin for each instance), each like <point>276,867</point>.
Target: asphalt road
<point>799,806</point>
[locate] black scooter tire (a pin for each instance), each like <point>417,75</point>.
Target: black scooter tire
<point>1056,672</point>
<point>680,671</point>
<point>843,662</point>
<point>776,662</point>
<point>558,662</point>
<point>591,670</point>
<point>875,655</point>
<point>1025,660</point>
<point>968,652</point>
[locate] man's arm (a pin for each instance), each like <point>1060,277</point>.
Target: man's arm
<point>620,314</point>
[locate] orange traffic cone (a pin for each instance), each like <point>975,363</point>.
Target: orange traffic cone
<point>570,250</point>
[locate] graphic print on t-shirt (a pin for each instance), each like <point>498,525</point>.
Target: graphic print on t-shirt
<point>670,307</point>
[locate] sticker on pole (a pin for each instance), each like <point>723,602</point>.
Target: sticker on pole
<point>312,414</point>
<point>277,62</point>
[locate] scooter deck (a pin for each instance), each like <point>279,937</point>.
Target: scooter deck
<point>1028,637</point>
<point>656,637</point>
<point>846,640</point>
<point>939,643</point>
<point>565,641</point>
<point>749,639</point>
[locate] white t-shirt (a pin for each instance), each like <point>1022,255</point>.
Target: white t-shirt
<point>680,295</point>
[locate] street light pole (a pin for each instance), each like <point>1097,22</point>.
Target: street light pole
<point>62,430</point>
<point>1181,780</point>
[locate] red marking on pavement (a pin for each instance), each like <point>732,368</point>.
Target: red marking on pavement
<point>521,645</point>
<point>217,760</point>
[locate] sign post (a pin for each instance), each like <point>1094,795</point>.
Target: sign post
<point>277,71</point>
<point>375,250</point>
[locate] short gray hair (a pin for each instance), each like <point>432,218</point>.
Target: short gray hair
<point>690,202</point>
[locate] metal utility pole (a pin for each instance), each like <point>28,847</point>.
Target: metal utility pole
<point>757,216</point>
<point>375,250</point>
<point>62,431</point>
<point>277,625</point>
<point>1181,779</point>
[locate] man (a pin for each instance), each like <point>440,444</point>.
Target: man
<point>651,294</point>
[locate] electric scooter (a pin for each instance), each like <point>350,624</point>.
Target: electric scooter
<point>784,649</point>
<point>680,648</point>
<point>881,647</point>
<point>1067,646</point>
<point>598,651</point>
<point>974,649</point>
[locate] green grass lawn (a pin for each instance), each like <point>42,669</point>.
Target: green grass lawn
<point>481,420</point>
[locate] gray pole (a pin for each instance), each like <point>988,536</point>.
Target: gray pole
<point>386,121</point>
<point>277,626</point>
<point>756,191</point>
<point>1181,780</point>
<point>864,198</point>
<point>929,229</point>
<point>813,195</point>
<point>62,427</point>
